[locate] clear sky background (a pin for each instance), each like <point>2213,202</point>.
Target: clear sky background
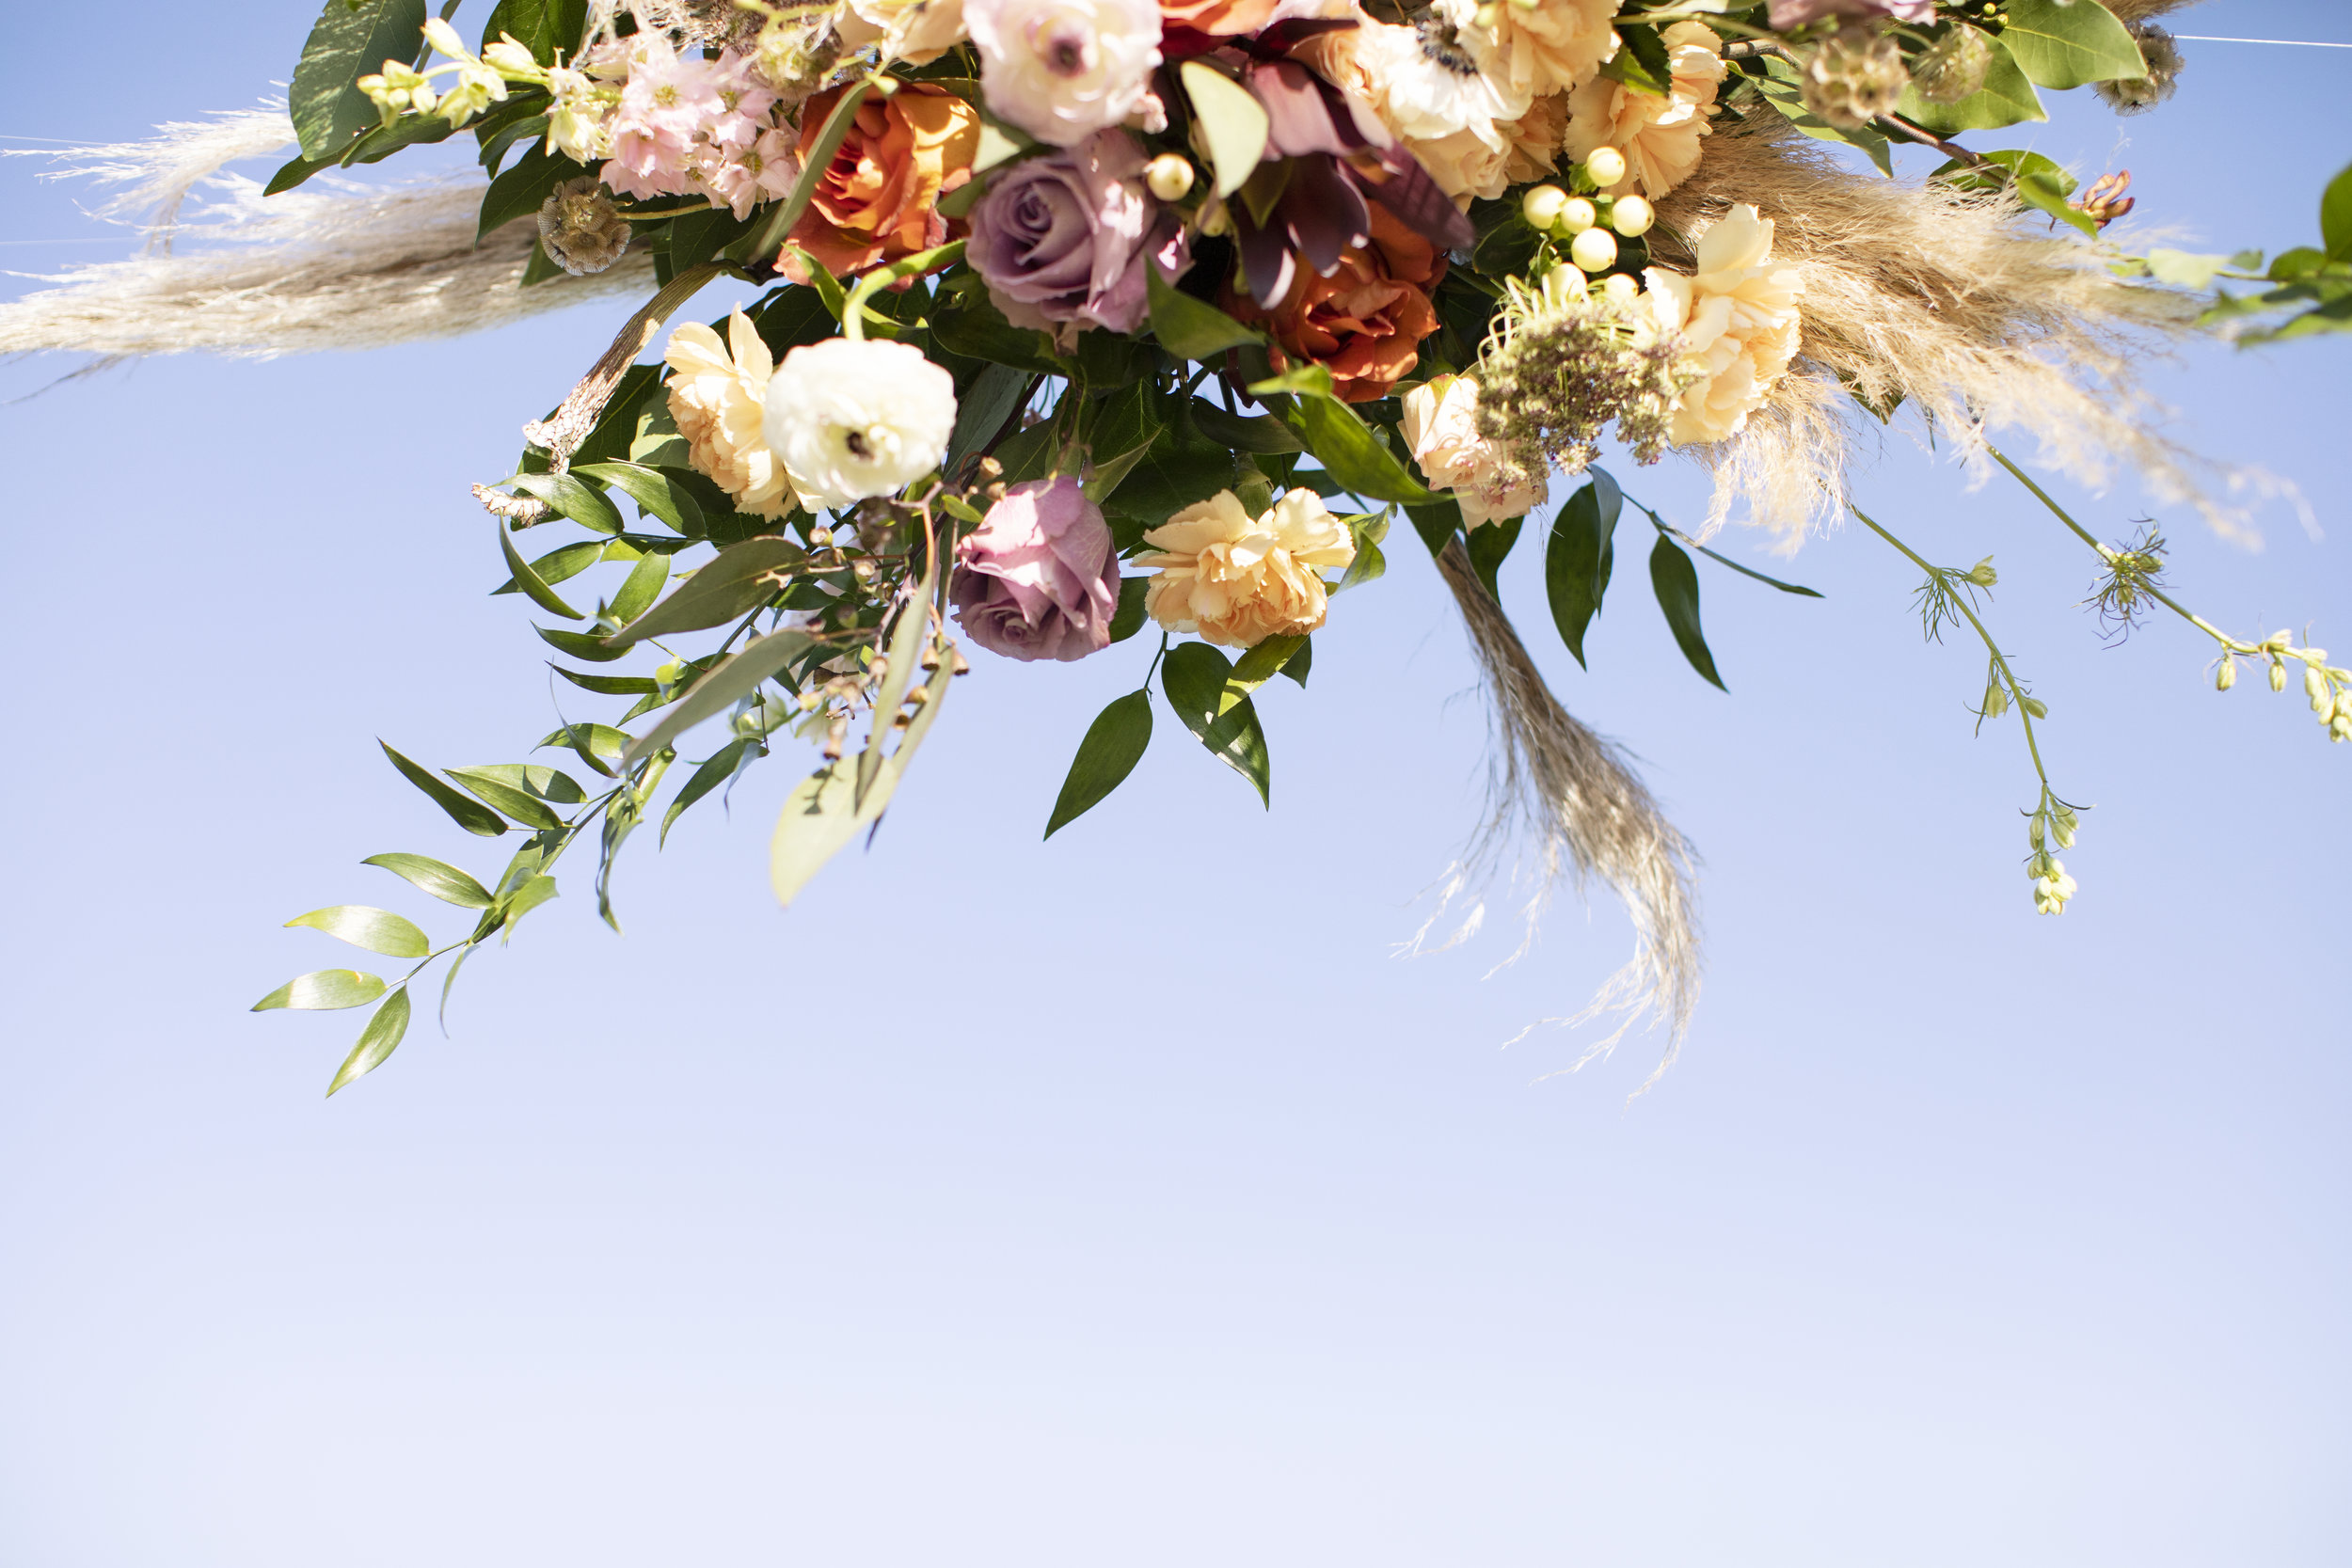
<point>1121,1199</point>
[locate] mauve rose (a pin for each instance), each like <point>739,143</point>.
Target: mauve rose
<point>1039,577</point>
<point>1796,13</point>
<point>1062,240</point>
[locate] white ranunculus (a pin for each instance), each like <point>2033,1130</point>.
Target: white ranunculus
<point>855,420</point>
<point>1062,69</point>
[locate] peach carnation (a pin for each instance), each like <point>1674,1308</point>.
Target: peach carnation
<point>1238,579</point>
<point>1738,320</point>
<point>1658,136</point>
<point>1528,51</point>
<point>717,403</point>
<point>1440,426</point>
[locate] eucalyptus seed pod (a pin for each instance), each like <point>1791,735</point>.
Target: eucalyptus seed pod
<point>1954,67</point>
<point>1855,75</point>
<point>2134,94</point>
<point>580,228</point>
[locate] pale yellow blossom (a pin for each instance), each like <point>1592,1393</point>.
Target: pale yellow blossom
<point>1658,136</point>
<point>1238,579</point>
<point>1440,426</point>
<point>1531,50</point>
<point>717,403</point>
<point>1738,320</point>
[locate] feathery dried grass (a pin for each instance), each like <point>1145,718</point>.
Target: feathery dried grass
<point>1568,798</point>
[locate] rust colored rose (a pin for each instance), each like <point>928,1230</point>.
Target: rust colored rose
<point>1218,18</point>
<point>1364,322</point>
<point>879,200</point>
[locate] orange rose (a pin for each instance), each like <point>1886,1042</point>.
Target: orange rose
<point>1218,17</point>
<point>879,200</point>
<point>1365,321</point>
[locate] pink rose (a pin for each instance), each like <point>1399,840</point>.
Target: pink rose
<point>1064,238</point>
<point>1039,577</point>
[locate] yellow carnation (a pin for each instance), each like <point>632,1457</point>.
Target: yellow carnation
<point>1531,50</point>
<point>717,403</point>
<point>1238,579</point>
<point>1738,320</point>
<point>1658,136</point>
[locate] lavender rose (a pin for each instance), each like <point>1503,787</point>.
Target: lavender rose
<point>1062,240</point>
<point>1039,577</point>
<point>1796,13</point>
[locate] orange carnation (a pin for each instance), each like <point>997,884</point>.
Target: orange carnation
<point>879,199</point>
<point>1365,321</point>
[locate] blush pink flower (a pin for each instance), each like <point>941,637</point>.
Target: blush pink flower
<point>1039,579</point>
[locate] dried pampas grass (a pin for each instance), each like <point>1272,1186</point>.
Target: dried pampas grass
<point>333,265</point>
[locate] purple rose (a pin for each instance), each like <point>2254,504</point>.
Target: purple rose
<point>1039,577</point>
<point>1063,238</point>
<point>1796,13</point>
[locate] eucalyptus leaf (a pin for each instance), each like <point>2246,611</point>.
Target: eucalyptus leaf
<point>1577,557</point>
<point>574,498</point>
<point>657,494</point>
<point>444,881</point>
<point>523,807</point>
<point>822,814</point>
<point>2335,218</point>
<point>557,564</point>
<point>325,991</point>
<point>722,766</point>
<point>1676,584</point>
<point>468,815</point>
<point>527,581</point>
<point>1113,743</point>
<point>583,645</point>
<point>376,1041</point>
<point>643,585</point>
<point>377,930</point>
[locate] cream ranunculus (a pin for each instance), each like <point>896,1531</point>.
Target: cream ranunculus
<point>1530,50</point>
<point>1658,136</point>
<point>717,403</point>
<point>1440,425</point>
<point>1738,320</point>
<point>1238,579</point>
<point>855,420</point>
<point>1062,69</point>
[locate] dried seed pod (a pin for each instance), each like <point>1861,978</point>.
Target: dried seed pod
<point>1855,75</point>
<point>1955,67</point>
<point>2134,94</point>
<point>581,229</point>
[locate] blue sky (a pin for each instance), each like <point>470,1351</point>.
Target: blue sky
<point>1121,1199</point>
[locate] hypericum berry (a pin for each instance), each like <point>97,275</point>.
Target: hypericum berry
<point>1578,215</point>
<point>1595,250</point>
<point>1632,215</point>
<point>1170,176</point>
<point>1541,205</point>
<point>1620,287</point>
<point>1606,166</point>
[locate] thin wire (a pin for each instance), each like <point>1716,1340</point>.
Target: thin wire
<point>2283,44</point>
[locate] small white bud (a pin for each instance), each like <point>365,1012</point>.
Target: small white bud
<point>2226,676</point>
<point>1578,215</point>
<point>1632,215</point>
<point>1595,250</point>
<point>1982,573</point>
<point>1620,287</point>
<point>1541,206</point>
<point>2278,676</point>
<point>443,37</point>
<point>2341,728</point>
<point>2315,683</point>
<point>1606,166</point>
<point>2034,832</point>
<point>1170,176</point>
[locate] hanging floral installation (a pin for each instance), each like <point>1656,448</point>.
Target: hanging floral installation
<point>1088,322</point>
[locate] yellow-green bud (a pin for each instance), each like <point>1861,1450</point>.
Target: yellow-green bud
<point>2315,683</point>
<point>1632,215</point>
<point>1541,206</point>
<point>1982,573</point>
<point>1606,166</point>
<point>2226,676</point>
<point>2036,831</point>
<point>1170,176</point>
<point>1595,250</point>
<point>2035,706</point>
<point>1619,286</point>
<point>2278,676</point>
<point>1576,216</point>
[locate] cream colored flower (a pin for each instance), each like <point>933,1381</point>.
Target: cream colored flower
<point>1464,164</point>
<point>1531,50</point>
<point>851,419</point>
<point>1536,138</point>
<point>1440,425</point>
<point>916,31</point>
<point>1658,136</point>
<point>1421,85</point>
<point>1238,581</point>
<point>717,401</point>
<point>1737,321</point>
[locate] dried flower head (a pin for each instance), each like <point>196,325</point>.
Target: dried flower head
<point>1563,360</point>
<point>1954,67</point>
<point>579,227</point>
<point>2134,94</point>
<point>1855,75</point>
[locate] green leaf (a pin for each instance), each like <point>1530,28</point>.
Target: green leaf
<point>325,989</point>
<point>376,1041</point>
<point>2184,269</point>
<point>558,565</point>
<point>377,930</point>
<point>983,409</point>
<point>725,685</point>
<point>2063,43</point>
<point>1339,439</point>
<point>2335,218</point>
<point>1577,557</point>
<point>1676,583</point>
<point>519,804</point>
<point>1489,547</point>
<point>822,814</point>
<point>1299,663</point>
<point>542,26</point>
<point>522,190</point>
<point>657,494</point>
<point>1191,329</point>
<point>978,330</point>
<point>1257,665</point>
<point>2007,97</point>
<point>1260,434</point>
<point>1370,564</point>
<point>445,882</point>
<point>581,644</point>
<point>1230,119</point>
<point>738,579</point>
<point>610,686</point>
<point>642,586</point>
<point>2036,179</point>
<point>298,169</point>
<point>599,746</point>
<point>574,498</point>
<point>519,572</point>
<point>468,815</point>
<point>1194,676</point>
<point>1129,618</point>
<point>1642,63</point>
<point>534,892</point>
<point>1781,86</point>
<point>351,38</point>
<point>1114,744</point>
<point>718,769</point>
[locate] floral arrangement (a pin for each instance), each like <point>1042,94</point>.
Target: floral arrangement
<point>1088,321</point>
